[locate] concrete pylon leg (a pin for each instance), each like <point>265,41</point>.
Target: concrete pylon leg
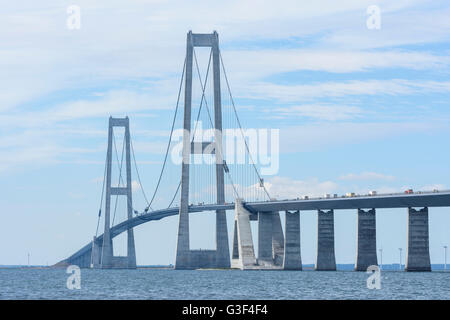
<point>277,239</point>
<point>96,253</point>
<point>265,257</point>
<point>246,258</point>
<point>107,248</point>
<point>235,254</point>
<point>418,252</point>
<point>292,255</point>
<point>326,260</point>
<point>366,252</point>
<point>107,253</point>
<point>131,251</point>
<point>182,259</point>
<point>223,251</point>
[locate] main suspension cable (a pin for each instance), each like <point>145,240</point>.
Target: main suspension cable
<point>138,176</point>
<point>101,198</point>
<point>170,137</point>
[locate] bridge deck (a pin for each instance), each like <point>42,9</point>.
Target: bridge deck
<point>428,199</point>
<point>431,199</point>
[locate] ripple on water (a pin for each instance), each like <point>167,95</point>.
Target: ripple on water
<point>219,284</point>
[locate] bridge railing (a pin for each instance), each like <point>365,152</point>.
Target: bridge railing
<point>314,198</point>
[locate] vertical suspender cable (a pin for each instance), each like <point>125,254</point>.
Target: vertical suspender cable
<point>239,123</point>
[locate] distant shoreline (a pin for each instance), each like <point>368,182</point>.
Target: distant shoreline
<point>306,267</point>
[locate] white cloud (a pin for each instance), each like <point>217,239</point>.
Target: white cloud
<point>287,188</point>
<point>135,186</point>
<point>42,57</point>
<point>296,93</point>
<point>39,154</point>
<point>437,186</point>
<point>253,64</point>
<point>149,42</point>
<point>318,136</point>
<point>116,103</point>
<point>318,112</point>
<point>367,176</point>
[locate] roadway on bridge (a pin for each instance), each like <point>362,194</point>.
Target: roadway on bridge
<point>418,199</point>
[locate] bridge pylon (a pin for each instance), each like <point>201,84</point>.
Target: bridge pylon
<point>186,258</point>
<point>106,259</point>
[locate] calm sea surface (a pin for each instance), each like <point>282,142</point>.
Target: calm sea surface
<point>217,284</point>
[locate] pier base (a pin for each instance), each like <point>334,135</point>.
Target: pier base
<point>265,256</point>
<point>418,252</point>
<point>366,253</point>
<point>292,255</point>
<point>277,239</point>
<point>326,260</point>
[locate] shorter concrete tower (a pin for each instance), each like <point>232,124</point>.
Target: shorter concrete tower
<point>105,253</point>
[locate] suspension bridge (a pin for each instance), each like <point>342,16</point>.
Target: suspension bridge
<point>223,184</point>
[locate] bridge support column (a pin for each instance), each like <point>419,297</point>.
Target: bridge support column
<point>223,251</point>
<point>326,260</point>
<point>244,258</point>
<point>235,253</point>
<point>418,252</point>
<point>277,239</point>
<point>265,255</point>
<point>96,253</point>
<point>366,254</point>
<point>292,255</point>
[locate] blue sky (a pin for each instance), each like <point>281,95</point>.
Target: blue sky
<point>357,109</point>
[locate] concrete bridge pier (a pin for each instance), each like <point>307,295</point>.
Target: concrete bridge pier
<point>265,255</point>
<point>96,253</point>
<point>243,256</point>
<point>292,255</point>
<point>270,239</point>
<point>366,252</point>
<point>326,260</point>
<point>107,251</point>
<point>277,240</point>
<point>418,252</point>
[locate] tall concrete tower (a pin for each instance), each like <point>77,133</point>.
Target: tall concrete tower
<point>107,258</point>
<point>186,258</point>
